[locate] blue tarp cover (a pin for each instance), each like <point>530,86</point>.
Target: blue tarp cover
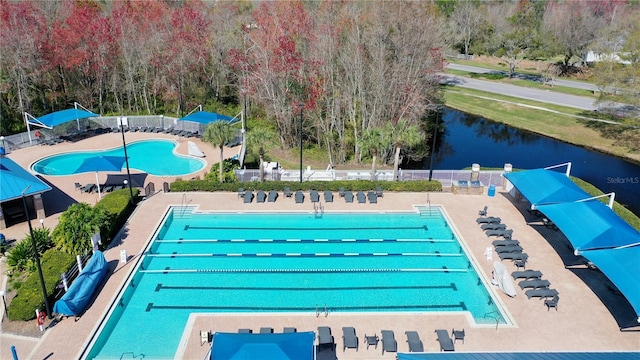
<point>61,117</point>
<point>283,346</point>
<point>15,179</point>
<point>204,117</point>
<point>75,300</point>
<point>591,225</point>
<point>622,267</point>
<point>541,186</point>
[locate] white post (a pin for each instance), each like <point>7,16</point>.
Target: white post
<point>65,282</point>
<point>79,261</point>
<point>612,198</point>
<point>568,169</point>
<point>26,120</point>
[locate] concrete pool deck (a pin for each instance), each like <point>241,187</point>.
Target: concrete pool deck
<point>588,319</point>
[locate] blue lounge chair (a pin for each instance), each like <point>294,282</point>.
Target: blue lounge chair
<point>299,197</point>
<point>266,330</point>
<point>349,338</point>
<point>463,183</point>
<point>483,212</point>
<point>513,256</point>
<point>289,330</point>
<point>361,197</point>
<point>552,303</point>
<point>314,196</point>
<point>379,191</point>
<point>241,192</point>
<point>504,233</point>
<point>457,335</point>
<point>261,196</point>
<point>373,198</point>
<point>248,197</point>
<point>348,196</point>
<point>328,196</point>
<point>446,344</point>
<point>273,195</point>
<point>415,344</point>
<point>389,343</point>
<point>287,192</point>
<point>341,191</point>
<point>89,188</point>
<point>498,243</point>
<point>245,331</point>
<point>509,249</point>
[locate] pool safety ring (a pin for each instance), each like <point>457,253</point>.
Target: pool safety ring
<point>41,317</point>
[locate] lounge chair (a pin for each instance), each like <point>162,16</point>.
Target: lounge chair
<point>446,344</point>
<point>389,343</point>
<point>248,197</point>
<point>287,192</point>
<point>328,196</point>
<point>341,191</point>
<point>493,226</point>
<point>534,284</point>
<point>205,337</point>
<point>314,196</point>
<point>483,212</point>
<point>371,340</point>
<point>78,186</point>
<point>498,243</point>
<point>509,249</point>
<point>261,196</point>
<point>289,330</point>
<point>324,336</point>
<point>273,195</point>
<point>526,274</point>
<point>241,192</point>
<point>513,256</point>
<point>348,196</point>
<point>541,293</point>
<point>245,331</point>
<point>107,188</point>
<point>361,197</point>
<point>522,263</point>
<point>504,233</point>
<point>373,198</point>
<point>552,303</point>
<point>489,219</point>
<point>457,335</point>
<point>379,191</point>
<point>475,183</point>
<point>299,197</point>
<point>463,183</point>
<point>89,188</point>
<point>266,330</point>
<point>349,338</point>
<point>415,344</point>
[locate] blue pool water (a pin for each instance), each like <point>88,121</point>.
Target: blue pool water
<point>155,157</point>
<point>373,262</point>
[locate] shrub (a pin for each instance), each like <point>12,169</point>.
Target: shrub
<point>21,255</point>
<point>118,206</point>
<point>76,226</point>
<point>29,296</point>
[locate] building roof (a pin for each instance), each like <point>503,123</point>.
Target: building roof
<point>15,180</point>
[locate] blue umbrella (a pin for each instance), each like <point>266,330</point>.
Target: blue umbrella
<point>101,163</point>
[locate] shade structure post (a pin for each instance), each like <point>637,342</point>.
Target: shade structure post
<point>126,160</point>
<point>301,108</point>
<point>98,185</point>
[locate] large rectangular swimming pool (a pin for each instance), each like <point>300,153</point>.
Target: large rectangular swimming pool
<point>290,262</point>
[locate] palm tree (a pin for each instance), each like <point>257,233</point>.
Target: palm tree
<point>402,135</point>
<point>218,134</point>
<point>258,139</point>
<point>372,140</point>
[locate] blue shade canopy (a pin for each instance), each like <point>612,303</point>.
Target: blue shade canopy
<point>622,267</point>
<point>61,117</point>
<point>75,300</point>
<point>591,225</point>
<point>541,186</point>
<point>101,163</point>
<point>14,179</point>
<point>204,117</point>
<point>284,346</point>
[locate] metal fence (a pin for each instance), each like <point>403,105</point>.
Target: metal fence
<point>446,177</point>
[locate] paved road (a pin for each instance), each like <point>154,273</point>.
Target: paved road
<point>559,82</point>
<point>546,96</point>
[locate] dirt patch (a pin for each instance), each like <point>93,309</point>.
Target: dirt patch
<point>23,328</point>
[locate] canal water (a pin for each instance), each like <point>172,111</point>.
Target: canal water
<point>469,139</point>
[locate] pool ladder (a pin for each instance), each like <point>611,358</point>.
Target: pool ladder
<point>318,209</point>
<point>326,311</point>
<point>133,356</point>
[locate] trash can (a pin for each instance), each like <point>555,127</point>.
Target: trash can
<point>492,190</point>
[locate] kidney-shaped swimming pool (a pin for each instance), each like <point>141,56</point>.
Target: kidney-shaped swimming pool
<point>155,157</point>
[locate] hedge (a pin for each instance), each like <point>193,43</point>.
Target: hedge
<point>29,295</point>
<point>118,205</point>
<point>354,185</point>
